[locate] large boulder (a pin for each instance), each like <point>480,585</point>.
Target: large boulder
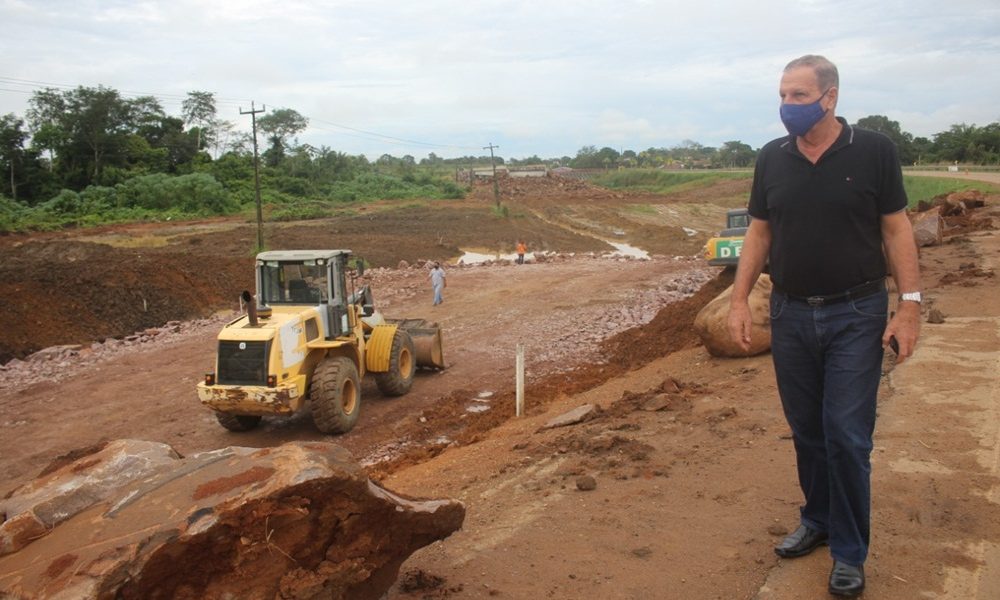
<point>712,323</point>
<point>928,228</point>
<point>298,521</point>
<point>34,509</point>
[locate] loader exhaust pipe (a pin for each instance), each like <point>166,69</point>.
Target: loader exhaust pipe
<point>251,307</point>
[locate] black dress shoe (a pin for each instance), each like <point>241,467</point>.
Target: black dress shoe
<point>802,541</point>
<point>846,580</point>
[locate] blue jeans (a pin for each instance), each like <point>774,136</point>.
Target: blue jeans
<point>827,361</point>
<point>437,293</point>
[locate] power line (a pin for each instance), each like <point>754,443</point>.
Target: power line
<point>161,95</point>
<point>393,138</point>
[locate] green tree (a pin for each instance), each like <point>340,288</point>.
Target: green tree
<point>12,138</point>
<point>902,139</point>
<point>199,109</point>
<point>735,154</point>
<point>923,148</point>
<point>278,126</point>
<point>954,144</point>
<point>589,157</point>
<point>87,129</point>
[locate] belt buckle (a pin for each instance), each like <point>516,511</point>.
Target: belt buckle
<point>815,301</point>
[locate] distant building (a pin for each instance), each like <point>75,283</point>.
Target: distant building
<point>528,171</point>
<point>487,172</point>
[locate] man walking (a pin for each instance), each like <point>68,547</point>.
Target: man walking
<point>826,201</point>
<point>438,282</point>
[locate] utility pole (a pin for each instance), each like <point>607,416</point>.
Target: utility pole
<point>256,174</point>
<point>496,188</point>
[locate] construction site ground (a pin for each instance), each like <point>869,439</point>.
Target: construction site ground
<point>689,459</point>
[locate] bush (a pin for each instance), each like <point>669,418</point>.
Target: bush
<point>66,202</point>
<point>98,199</point>
<point>376,186</point>
<point>196,194</point>
<point>10,213</point>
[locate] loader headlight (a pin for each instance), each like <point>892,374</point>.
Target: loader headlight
<point>272,380</point>
<point>209,378</point>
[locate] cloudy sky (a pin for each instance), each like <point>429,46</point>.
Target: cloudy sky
<point>539,77</point>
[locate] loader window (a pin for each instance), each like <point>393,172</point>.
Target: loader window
<point>738,219</point>
<point>293,282</point>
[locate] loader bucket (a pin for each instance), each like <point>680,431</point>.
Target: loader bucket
<point>426,338</point>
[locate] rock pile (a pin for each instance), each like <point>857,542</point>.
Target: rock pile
<point>55,363</point>
<point>591,325</point>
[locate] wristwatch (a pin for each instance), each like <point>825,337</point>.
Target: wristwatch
<point>910,297</point>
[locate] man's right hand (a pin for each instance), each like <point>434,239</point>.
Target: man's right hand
<point>739,324</point>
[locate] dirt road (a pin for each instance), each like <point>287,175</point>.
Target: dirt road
<point>559,311</point>
<point>690,457</point>
<point>689,500</point>
<point>989,177</point>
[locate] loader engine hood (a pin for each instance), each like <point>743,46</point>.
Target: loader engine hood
<point>245,351</point>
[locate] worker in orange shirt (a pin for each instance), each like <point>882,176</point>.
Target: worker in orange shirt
<point>521,249</point>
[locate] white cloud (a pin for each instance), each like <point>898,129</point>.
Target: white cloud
<point>537,79</point>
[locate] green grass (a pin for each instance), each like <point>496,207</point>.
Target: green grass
<point>666,182</point>
<point>926,188</point>
<point>641,209</point>
<point>500,211</point>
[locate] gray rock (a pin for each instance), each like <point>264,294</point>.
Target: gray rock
<point>577,415</point>
<point>58,496</point>
<point>53,352</point>
<point>656,403</point>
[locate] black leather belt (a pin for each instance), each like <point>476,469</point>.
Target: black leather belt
<point>855,293</point>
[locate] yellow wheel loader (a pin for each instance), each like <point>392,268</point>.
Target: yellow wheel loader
<point>306,338</point>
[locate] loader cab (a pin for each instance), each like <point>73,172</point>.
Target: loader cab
<point>300,282</point>
<point>306,278</point>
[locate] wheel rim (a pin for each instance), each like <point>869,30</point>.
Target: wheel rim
<point>349,397</point>
<point>405,363</point>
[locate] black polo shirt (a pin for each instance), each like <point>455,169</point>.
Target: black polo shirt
<point>825,218</point>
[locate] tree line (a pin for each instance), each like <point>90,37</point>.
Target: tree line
<point>92,153</point>
<point>966,144</point>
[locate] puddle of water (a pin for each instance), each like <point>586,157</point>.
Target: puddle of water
<point>477,258</point>
<point>626,250</point>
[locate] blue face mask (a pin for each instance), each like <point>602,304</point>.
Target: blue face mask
<point>800,118</point>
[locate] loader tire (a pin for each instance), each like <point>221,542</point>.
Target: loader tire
<point>335,395</point>
<point>237,422</point>
<point>402,365</point>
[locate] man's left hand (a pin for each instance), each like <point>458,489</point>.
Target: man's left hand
<point>905,327</point>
